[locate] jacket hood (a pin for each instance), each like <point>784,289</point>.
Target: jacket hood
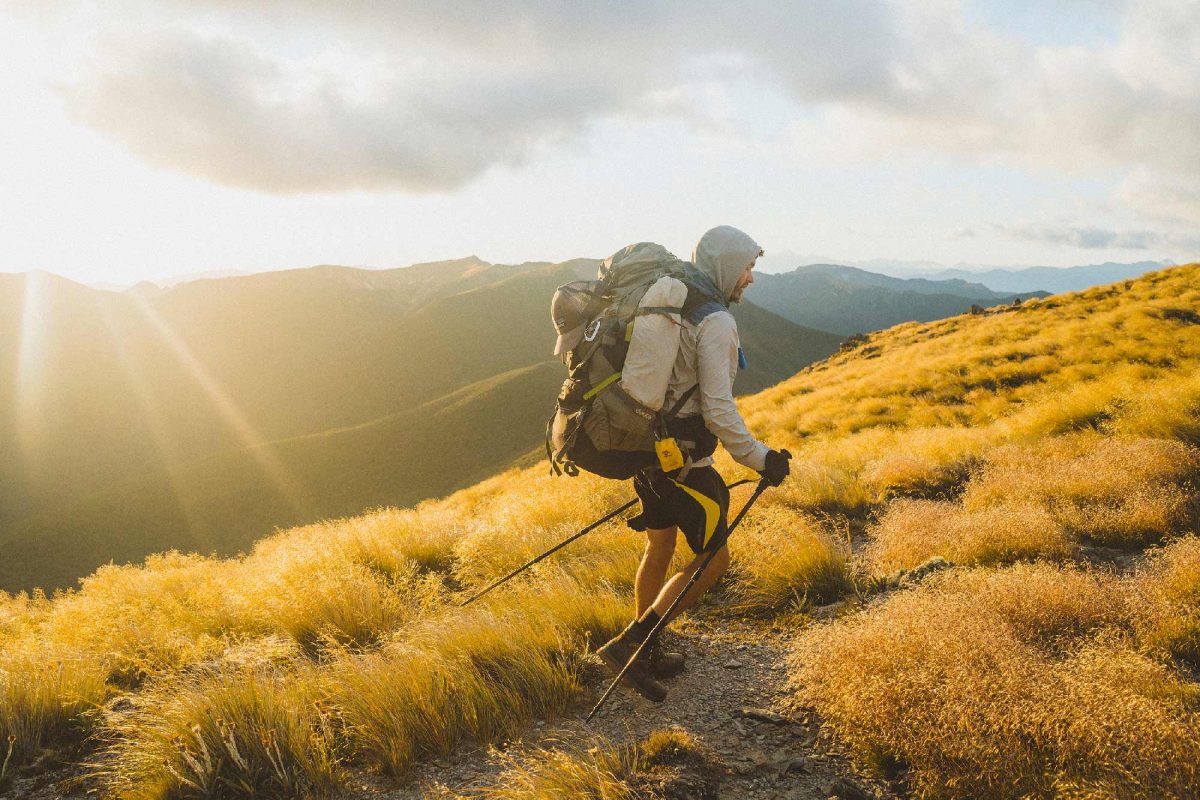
<point>722,254</point>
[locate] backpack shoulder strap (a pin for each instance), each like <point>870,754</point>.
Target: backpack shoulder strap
<point>696,312</point>
<point>701,299</point>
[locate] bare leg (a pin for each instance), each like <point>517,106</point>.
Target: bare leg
<point>652,572</point>
<point>715,569</point>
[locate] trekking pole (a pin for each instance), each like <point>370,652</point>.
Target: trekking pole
<point>665,618</point>
<point>563,544</point>
<point>554,549</point>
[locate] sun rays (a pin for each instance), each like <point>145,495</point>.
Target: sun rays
<point>169,453</point>
<point>31,365</point>
<point>258,448</point>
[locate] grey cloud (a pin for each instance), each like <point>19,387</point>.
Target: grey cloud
<point>489,88</point>
<point>221,109</point>
<point>1088,238</point>
<point>469,85</point>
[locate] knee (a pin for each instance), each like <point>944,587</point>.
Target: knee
<point>660,544</point>
<point>720,561</point>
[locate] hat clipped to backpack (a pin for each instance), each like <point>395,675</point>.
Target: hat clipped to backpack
<point>569,313</point>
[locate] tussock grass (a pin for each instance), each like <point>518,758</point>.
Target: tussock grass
<point>46,700</point>
<point>913,531</point>
<point>395,541</point>
<point>338,602</point>
<point>597,770</point>
<point>1168,590</point>
<point>784,560</point>
<point>480,674</point>
<point>1167,408</point>
<point>1010,683</point>
<point>601,771</point>
<point>516,526</point>
<point>1112,490</point>
<point>138,622</point>
<point>222,734</point>
<point>925,463</point>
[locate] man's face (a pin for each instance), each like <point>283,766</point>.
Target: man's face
<point>744,280</point>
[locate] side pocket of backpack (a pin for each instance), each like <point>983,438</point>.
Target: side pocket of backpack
<point>616,421</point>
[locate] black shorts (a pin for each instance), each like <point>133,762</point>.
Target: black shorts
<point>699,506</point>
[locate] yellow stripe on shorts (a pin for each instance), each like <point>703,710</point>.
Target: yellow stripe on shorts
<point>712,511</point>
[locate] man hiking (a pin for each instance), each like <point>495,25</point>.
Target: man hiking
<point>696,501</point>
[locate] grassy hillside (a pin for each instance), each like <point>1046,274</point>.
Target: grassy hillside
<point>203,416</point>
<point>1047,450</point>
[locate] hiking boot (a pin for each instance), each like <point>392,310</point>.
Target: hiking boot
<point>616,654</point>
<point>664,664</point>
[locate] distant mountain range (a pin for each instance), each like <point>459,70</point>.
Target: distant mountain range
<point>847,300</point>
<point>202,415</point>
<point>1051,279</point>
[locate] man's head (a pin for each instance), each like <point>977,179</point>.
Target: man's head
<point>727,256</point>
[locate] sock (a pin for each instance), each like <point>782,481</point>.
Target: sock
<point>639,629</point>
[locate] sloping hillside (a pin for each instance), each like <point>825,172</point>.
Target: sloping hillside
<point>203,416</point>
<point>846,300</point>
<point>970,508</point>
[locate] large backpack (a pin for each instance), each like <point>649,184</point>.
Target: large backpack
<point>609,414</point>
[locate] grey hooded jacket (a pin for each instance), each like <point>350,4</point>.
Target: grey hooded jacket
<point>708,351</point>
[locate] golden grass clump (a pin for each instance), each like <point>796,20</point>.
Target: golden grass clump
<point>392,540</point>
<point>223,734</point>
<point>20,612</point>
<point>46,699</point>
<point>784,559</point>
<point>1109,489</point>
<point>1167,408</point>
<point>912,531</point>
<point>928,463</point>
<point>141,621</point>
<point>1005,684</point>
<point>1167,589</point>
<point>597,770</point>
<point>476,674</point>
<point>600,771</point>
<point>336,602</point>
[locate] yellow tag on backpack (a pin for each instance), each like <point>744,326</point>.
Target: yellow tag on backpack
<point>670,457</point>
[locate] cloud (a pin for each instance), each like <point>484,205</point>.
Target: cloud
<point>315,96</point>
<point>1095,238</point>
<point>427,97</point>
<point>223,109</point>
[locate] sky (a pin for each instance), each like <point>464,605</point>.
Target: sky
<point>145,140</point>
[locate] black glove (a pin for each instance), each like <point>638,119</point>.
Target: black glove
<point>776,467</point>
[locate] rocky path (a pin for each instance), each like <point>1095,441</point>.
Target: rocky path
<point>732,698</point>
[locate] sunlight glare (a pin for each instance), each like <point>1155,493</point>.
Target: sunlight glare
<point>169,455</point>
<point>255,444</point>
<point>31,364</point>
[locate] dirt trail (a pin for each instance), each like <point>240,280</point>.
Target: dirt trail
<point>732,698</point>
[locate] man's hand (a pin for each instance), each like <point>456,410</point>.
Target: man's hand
<point>776,467</point>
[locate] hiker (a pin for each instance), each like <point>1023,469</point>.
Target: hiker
<point>708,359</point>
